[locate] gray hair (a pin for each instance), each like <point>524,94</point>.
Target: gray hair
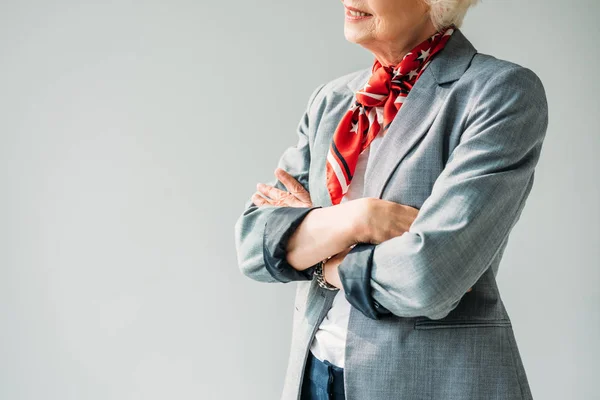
<point>447,12</point>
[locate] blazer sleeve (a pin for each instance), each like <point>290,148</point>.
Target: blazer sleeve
<point>474,204</point>
<point>261,233</point>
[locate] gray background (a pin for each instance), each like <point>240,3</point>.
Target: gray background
<point>131,135</point>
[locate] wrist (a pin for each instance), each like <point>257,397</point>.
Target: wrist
<point>331,273</point>
<point>339,222</point>
<point>360,229</point>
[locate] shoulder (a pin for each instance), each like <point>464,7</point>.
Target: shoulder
<point>498,79</point>
<point>503,96</point>
<point>485,67</point>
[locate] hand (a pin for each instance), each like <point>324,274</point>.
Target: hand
<point>330,269</point>
<point>377,220</point>
<point>296,196</point>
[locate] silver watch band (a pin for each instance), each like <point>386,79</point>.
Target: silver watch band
<point>321,278</point>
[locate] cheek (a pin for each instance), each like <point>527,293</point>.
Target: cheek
<point>399,16</point>
<point>390,28</point>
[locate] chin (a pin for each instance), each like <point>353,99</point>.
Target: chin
<point>356,36</point>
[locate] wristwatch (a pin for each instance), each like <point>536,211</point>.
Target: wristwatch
<point>321,278</point>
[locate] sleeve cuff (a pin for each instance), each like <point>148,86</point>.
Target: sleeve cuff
<point>282,223</point>
<point>355,275</point>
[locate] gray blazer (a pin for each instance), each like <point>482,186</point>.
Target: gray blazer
<point>462,149</point>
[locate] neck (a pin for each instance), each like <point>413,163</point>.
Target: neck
<point>390,54</point>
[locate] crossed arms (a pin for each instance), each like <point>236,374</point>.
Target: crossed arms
<point>474,203</point>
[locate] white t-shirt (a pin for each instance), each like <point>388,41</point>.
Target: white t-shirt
<point>329,342</point>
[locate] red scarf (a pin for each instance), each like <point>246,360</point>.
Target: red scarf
<point>377,103</point>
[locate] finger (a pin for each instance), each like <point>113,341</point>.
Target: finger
<point>279,198</point>
<point>288,200</point>
<point>258,200</point>
<point>469,290</point>
<point>292,185</point>
<point>270,191</point>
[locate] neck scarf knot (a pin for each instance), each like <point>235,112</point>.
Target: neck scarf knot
<point>375,106</point>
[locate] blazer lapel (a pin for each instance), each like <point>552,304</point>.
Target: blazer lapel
<point>416,115</point>
<point>408,126</point>
<point>418,112</point>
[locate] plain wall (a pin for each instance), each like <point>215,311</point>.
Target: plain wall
<point>131,135</point>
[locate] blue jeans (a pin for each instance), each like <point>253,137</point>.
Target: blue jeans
<point>322,380</point>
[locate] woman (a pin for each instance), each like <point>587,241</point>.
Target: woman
<point>393,210</point>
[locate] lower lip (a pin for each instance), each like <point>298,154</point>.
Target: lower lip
<point>350,17</point>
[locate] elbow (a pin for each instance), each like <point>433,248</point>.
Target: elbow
<point>247,267</point>
<point>438,308</point>
<point>249,253</point>
<point>438,302</point>
<point>432,307</point>
<point>423,298</point>
<point>251,265</point>
<point>439,298</point>
<point>244,264</point>
<point>386,294</point>
<point>261,253</point>
<point>255,270</point>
